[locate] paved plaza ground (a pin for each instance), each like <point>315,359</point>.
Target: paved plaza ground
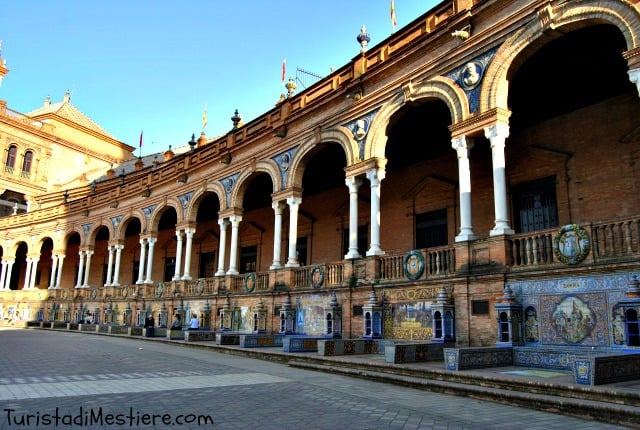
<point>92,381</point>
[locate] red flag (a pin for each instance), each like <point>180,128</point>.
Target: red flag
<point>141,139</point>
<point>284,68</point>
<point>393,14</point>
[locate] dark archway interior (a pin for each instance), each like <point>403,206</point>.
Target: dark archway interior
<point>208,208</point>
<point>576,70</point>
<point>258,193</point>
<point>417,132</point>
<point>325,170</point>
<point>168,220</point>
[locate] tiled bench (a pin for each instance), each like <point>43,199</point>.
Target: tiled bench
<point>605,369</point>
<point>301,343</point>
<point>413,352</point>
<point>227,338</point>
<point>260,340</point>
<point>199,335</point>
<point>477,358</point>
<point>331,347</point>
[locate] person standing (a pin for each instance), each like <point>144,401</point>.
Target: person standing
<point>149,324</point>
<point>193,325</point>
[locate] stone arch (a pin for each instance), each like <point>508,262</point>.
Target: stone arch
<point>69,232</point>
<point>154,219</point>
<point>122,227</point>
<point>265,166</point>
<point>91,239</point>
<point>439,87</point>
<point>340,135</point>
<point>211,187</point>
<point>495,86</point>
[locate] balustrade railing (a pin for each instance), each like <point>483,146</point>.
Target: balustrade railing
<point>617,239</point>
<point>439,261</point>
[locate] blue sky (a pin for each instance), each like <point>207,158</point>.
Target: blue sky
<point>153,65</point>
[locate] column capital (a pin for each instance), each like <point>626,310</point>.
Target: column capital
<point>634,77</point>
<point>278,206</point>
<point>353,183</point>
<point>462,145</point>
<point>497,131</point>
<point>294,201</point>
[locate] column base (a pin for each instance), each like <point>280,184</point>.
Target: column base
<point>275,266</point>
<point>353,253</point>
<point>232,272</point>
<point>466,237</point>
<point>186,278</point>
<point>501,230</point>
<point>375,251</point>
<point>219,273</point>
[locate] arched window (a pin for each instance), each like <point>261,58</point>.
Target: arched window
<point>11,158</point>
<point>26,164</point>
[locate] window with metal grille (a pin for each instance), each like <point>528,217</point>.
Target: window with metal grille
<point>535,206</point>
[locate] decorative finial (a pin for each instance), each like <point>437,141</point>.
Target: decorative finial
<point>236,118</point>
<point>291,87</point>
<point>363,38</point>
<point>67,96</point>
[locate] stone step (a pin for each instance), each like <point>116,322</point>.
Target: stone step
<point>600,404</point>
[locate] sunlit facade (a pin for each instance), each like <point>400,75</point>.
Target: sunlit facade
<point>486,145</point>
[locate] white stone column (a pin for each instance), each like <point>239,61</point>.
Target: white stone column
<point>294,205</point>
<point>375,177</point>
<point>7,283</point>
<point>222,246</point>
<point>34,267</point>
<point>152,243</point>
<point>178,263</point>
<point>116,270</point>
<point>143,256</point>
<point>59,274</point>
<point>497,135</point>
<point>233,249</point>
<point>27,275</point>
<point>52,275</point>
<point>463,146</point>
<point>10,263</point>
<point>353,183</point>
<point>188,247</point>
<point>87,270</point>
<point>80,270</point>
<point>111,249</point>
<point>3,275</point>
<point>277,235</point>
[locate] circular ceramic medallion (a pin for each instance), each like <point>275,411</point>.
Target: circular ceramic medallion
<point>125,291</point>
<point>200,287</point>
<point>572,244</point>
<point>316,277</point>
<point>159,289</point>
<point>413,265</point>
<point>250,281</point>
<point>94,293</point>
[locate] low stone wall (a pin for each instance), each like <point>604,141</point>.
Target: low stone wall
<point>300,343</point>
<point>88,327</point>
<point>157,332</point>
<point>135,331</point>
<point>118,329</point>
<point>260,340</point>
<point>175,334</point>
<point>331,347</point>
<point>199,335</point>
<point>103,328</point>
<point>72,326</point>
<point>413,352</point>
<point>606,369</point>
<point>477,358</point>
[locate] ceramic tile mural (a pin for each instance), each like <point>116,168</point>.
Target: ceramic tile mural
<point>577,311</point>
